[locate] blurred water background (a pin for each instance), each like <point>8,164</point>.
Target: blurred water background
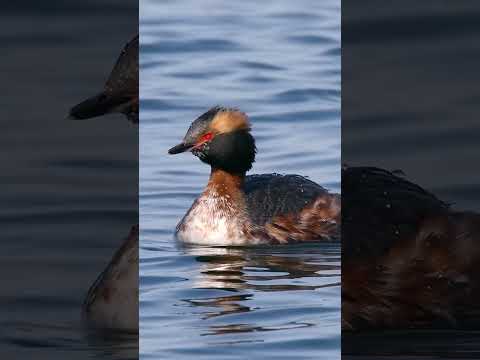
<point>68,189</point>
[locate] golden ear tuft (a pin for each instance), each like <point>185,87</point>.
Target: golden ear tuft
<point>229,120</point>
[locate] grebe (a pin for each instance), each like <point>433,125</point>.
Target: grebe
<point>408,259</point>
<point>120,93</point>
<point>112,300</point>
<point>237,210</point>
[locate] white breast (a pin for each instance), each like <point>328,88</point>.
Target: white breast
<point>213,221</point>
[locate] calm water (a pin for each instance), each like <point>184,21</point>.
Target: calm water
<point>68,189</point>
<point>280,63</point>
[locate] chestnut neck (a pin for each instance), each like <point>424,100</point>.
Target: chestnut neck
<point>226,183</point>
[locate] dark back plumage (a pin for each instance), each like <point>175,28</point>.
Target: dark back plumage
<point>124,76</point>
<point>408,261</point>
<point>271,195</point>
<point>380,207</point>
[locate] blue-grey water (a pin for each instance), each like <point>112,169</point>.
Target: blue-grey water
<point>68,189</point>
<point>280,63</point>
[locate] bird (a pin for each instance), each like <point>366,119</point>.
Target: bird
<point>112,302</point>
<point>409,260</point>
<point>120,92</point>
<point>239,210</point>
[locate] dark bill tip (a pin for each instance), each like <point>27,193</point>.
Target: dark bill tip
<point>91,107</point>
<point>98,105</point>
<point>177,149</point>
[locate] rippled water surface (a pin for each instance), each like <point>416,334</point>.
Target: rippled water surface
<point>280,63</point>
<point>68,189</point>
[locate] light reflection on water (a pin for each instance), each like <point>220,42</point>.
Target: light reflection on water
<point>280,63</point>
<point>234,296</point>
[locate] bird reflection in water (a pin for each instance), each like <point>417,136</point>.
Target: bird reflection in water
<point>246,272</point>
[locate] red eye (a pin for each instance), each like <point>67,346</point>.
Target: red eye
<point>206,137</point>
